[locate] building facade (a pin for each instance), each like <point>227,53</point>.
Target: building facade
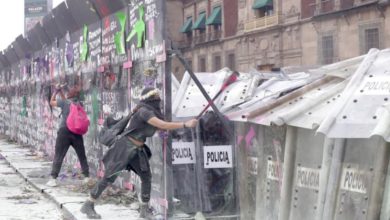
<point>265,34</point>
<point>34,11</point>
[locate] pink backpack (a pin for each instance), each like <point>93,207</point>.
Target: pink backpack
<point>77,121</point>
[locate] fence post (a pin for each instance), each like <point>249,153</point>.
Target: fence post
<point>385,209</point>
<point>378,181</point>
<point>334,179</point>
<point>288,172</point>
<point>324,174</point>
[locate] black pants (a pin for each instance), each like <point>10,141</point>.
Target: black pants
<point>138,162</point>
<point>65,138</point>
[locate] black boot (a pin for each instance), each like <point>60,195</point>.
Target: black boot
<point>88,208</point>
<point>145,212</point>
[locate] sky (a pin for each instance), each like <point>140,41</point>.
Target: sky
<point>12,20</point>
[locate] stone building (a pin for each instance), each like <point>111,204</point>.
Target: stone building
<point>265,34</point>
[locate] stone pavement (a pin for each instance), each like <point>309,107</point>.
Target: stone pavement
<point>19,200</point>
<point>69,195</point>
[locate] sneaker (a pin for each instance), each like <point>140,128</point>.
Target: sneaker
<point>86,180</point>
<point>145,212</point>
<point>199,216</point>
<point>134,206</point>
<point>88,208</point>
<point>52,183</point>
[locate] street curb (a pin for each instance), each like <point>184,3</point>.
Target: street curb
<point>68,214</point>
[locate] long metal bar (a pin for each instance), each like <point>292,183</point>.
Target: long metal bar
<point>232,78</point>
<point>385,209</point>
<point>203,91</point>
<point>288,173</point>
<point>378,181</point>
<point>169,184</point>
<point>168,140</point>
<point>324,174</point>
<point>334,179</point>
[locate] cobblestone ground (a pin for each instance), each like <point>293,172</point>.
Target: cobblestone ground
<point>20,201</point>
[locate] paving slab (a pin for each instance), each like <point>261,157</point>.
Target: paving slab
<point>34,171</point>
<point>19,200</point>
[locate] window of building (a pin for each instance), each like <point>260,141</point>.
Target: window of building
<point>200,23</point>
<point>202,64</point>
<point>215,17</point>
<point>371,36</point>
<point>215,21</point>
<point>308,7</point>
<point>327,6</point>
<point>327,49</point>
<point>231,61</point>
<point>200,28</point>
<point>217,29</point>
<point>217,63</point>
<point>187,26</point>
<point>263,7</point>
<point>344,4</point>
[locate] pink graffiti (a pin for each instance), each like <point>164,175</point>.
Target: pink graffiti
<point>249,136</point>
<point>127,65</point>
<point>100,121</point>
<point>77,165</point>
<point>163,202</point>
<point>151,29</point>
<point>129,186</point>
<point>100,172</point>
<point>162,57</point>
<point>100,69</point>
<point>239,139</point>
<point>278,149</point>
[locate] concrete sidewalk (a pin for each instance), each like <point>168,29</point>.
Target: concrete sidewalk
<point>35,170</point>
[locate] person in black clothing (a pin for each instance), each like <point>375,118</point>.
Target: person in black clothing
<point>130,152</point>
<point>65,138</point>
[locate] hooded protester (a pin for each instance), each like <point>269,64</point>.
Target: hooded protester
<point>131,153</point>
<point>65,138</point>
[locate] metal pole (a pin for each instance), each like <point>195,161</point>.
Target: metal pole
<point>168,139</point>
<point>334,179</point>
<point>385,209</point>
<point>324,174</point>
<point>288,172</point>
<point>198,169</point>
<point>168,115</point>
<point>378,181</point>
<point>203,91</point>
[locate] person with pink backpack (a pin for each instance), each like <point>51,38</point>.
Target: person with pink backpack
<point>73,125</point>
